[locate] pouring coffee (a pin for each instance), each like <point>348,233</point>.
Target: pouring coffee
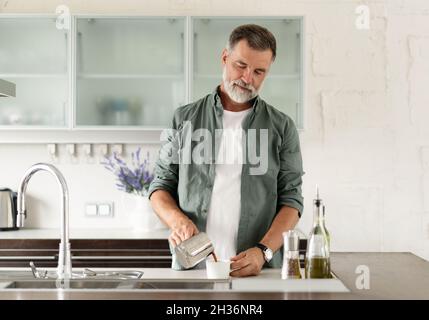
<point>194,250</point>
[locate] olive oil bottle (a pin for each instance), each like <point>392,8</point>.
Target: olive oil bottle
<point>317,268</point>
<point>328,237</point>
<point>317,262</point>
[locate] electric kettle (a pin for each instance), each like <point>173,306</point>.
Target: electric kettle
<point>8,210</point>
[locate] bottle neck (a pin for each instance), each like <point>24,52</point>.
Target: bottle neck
<point>318,218</point>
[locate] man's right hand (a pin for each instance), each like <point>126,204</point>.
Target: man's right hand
<point>182,230</point>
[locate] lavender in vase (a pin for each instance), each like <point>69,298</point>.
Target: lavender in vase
<point>134,179</point>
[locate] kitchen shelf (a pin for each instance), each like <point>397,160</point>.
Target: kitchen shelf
<point>85,135</point>
<point>271,76</point>
<point>128,76</point>
<point>33,75</point>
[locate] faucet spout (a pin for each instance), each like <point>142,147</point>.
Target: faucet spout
<point>64,269</point>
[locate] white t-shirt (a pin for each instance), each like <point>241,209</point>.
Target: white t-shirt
<point>225,205</point>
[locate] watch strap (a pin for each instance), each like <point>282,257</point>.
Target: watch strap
<point>262,247</point>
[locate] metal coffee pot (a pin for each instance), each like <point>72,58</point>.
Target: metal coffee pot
<point>194,250</point>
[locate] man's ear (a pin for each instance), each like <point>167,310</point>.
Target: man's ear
<point>224,56</point>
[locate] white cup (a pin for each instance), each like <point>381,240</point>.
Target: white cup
<point>218,270</point>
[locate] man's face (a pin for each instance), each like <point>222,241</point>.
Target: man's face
<point>244,71</point>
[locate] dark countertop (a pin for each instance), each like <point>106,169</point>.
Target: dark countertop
<point>392,276</point>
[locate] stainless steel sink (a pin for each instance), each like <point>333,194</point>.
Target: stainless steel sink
<point>50,284</point>
<point>120,285</point>
<point>86,274</point>
<point>107,280</point>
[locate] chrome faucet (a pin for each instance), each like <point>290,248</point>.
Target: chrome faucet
<point>64,269</point>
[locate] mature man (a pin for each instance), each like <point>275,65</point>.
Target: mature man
<point>244,211</point>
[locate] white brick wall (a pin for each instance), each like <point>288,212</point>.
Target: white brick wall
<point>366,139</point>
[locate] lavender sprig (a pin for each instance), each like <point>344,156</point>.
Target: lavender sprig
<point>135,179</point>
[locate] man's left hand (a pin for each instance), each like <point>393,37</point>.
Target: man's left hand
<point>247,263</point>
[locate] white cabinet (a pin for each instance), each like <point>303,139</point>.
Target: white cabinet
<point>130,71</point>
<point>34,56</point>
<point>282,87</point>
<point>117,74</point>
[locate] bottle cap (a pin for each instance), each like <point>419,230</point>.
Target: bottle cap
<point>291,240</point>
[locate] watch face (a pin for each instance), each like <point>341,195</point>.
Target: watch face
<point>268,254</point>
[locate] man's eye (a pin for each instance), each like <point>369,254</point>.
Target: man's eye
<point>258,72</point>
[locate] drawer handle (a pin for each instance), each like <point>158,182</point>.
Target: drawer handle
<point>121,257</point>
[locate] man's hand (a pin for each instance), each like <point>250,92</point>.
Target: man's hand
<point>247,263</point>
<point>182,230</point>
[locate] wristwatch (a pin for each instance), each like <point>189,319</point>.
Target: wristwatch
<point>268,253</point>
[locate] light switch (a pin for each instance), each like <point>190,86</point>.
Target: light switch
<point>91,210</point>
<point>105,209</point>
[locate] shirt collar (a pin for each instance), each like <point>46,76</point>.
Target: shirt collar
<point>217,103</point>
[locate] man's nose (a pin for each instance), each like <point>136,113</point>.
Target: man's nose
<point>247,76</point>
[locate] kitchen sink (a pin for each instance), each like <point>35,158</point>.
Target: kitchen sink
<point>120,285</point>
<point>50,284</point>
<point>107,280</point>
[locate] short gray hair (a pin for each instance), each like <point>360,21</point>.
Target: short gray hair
<point>257,37</point>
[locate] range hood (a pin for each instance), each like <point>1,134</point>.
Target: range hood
<point>7,89</point>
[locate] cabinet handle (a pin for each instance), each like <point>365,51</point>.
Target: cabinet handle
<point>120,257</point>
<point>194,54</point>
<point>28,258</point>
<point>298,53</point>
<point>53,258</point>
<point>79,53</point>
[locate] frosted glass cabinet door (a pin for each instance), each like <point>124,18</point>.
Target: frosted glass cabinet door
<point>282,87</point>
<point>130,71</point>
<point>34,56</point>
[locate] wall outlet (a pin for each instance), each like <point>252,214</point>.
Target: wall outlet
<point>104,209</point>
<point>91,210</point>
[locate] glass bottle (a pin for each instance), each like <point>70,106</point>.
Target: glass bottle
<point>317,262</point>
<point>291,268</point>
<point>323,219</point>
<point>328,237</point>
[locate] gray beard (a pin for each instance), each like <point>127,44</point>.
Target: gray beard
<point>235,94</point>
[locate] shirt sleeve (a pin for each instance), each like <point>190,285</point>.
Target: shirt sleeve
<point>289,179</point>
<point>166,172</point>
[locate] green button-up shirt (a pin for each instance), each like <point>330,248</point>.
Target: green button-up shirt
<point>262,195</point>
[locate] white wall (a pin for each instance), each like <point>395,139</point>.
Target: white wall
<point>366,141</point>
